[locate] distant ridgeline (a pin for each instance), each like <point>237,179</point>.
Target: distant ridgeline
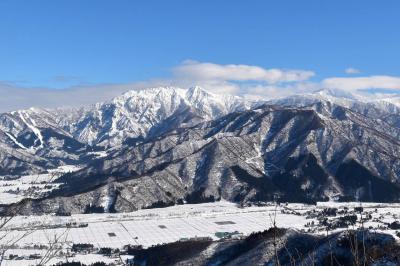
<point>164,146</point>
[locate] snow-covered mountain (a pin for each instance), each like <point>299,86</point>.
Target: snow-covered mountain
<point>39,138</point>
<point>32,141</point>
<point>169,145</point>
<point>321,152</point>
<point>135,113</point>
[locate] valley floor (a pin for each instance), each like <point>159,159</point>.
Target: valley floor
<point>29,238</point>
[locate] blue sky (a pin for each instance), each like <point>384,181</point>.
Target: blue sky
<point>70,43</point>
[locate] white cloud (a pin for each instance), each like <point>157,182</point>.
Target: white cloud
<point>237,79</point>
<point>231,79</point>
<point>250,81</point>
<point>209,71</point>
<point>273,92</point>
<point>352,70</point>
<point>363,83</point>
<point>14,97</point>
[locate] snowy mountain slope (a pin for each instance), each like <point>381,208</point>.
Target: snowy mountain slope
<point>321,152</point>
<point>32,142</point>
<point>331,95</point>
<point>64,135</point>
<point>386,109</point>
<point>135,113</point>
<point>168,145</point>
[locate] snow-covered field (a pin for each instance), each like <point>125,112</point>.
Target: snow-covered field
<point>157,226</point>
<point>16,188</point>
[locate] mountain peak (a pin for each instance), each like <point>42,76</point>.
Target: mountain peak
<point>337,93</point>
<point>197,91</point>
<point>150,92</point>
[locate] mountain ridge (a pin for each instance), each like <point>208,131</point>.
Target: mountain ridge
<point>191,146</point>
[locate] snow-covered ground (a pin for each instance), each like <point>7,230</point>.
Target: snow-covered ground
<point>157,226</point>
<point>16,188</point>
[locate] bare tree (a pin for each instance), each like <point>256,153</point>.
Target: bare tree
<point>55,246</point>
<point>275,229</point>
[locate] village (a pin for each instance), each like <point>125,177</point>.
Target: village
<point>113,238</point>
